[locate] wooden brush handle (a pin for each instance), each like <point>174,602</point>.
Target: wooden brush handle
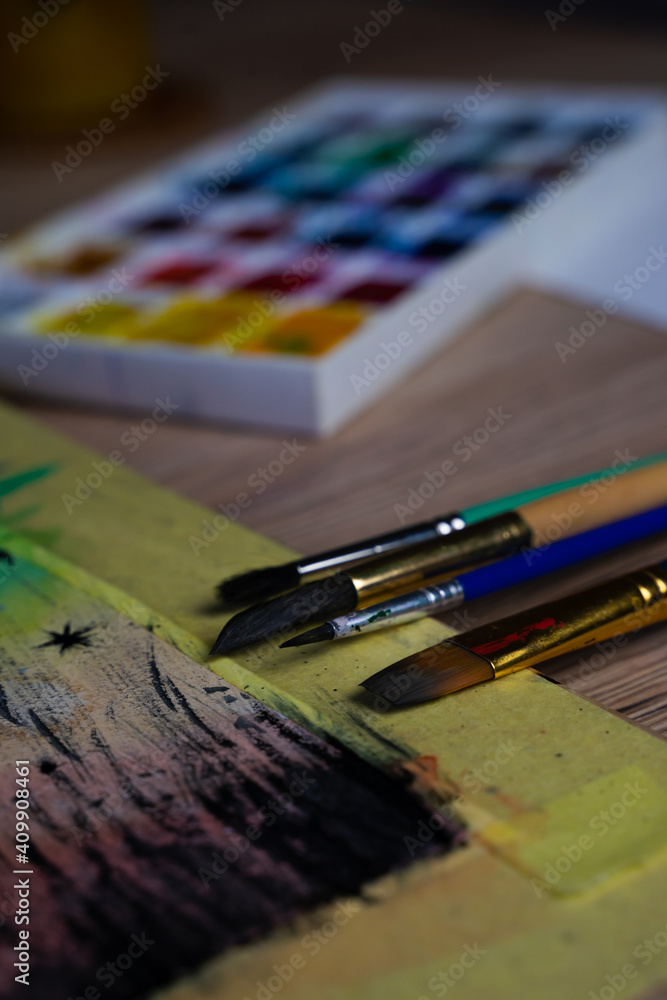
<point>593,504</point>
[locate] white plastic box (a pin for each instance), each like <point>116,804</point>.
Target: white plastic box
<point>600,183</point>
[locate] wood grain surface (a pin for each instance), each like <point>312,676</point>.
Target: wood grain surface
<point>557,419</point>
<point>566,418</point>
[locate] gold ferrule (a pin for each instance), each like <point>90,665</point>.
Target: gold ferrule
<point>625,604</point>
<point>491,539</point>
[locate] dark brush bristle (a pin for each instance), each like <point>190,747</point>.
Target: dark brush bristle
<point>335,595</point>
<point>430,673</point>
<point>259,584</point>
<point>318,634</point>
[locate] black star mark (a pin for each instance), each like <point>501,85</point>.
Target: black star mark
<point>67,638</point>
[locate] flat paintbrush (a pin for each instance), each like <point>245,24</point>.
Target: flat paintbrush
<point>624,604</point>
<point>543,520</point>
<point>258,584</point>
<point>509,572</point>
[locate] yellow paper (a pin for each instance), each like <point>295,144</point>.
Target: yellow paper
<point>524,758</point>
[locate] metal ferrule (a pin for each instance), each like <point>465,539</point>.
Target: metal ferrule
<point>488,540</point>
<point>453,523</point>
<point>399,610</point>
<point>380,545</point>
<point>622,605</point>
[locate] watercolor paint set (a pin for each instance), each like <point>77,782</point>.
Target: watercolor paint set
<point>287,273</point>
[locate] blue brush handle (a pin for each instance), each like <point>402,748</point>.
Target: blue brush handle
<point>531,563</point>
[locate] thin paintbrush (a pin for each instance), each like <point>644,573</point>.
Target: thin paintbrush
<point>625,604</point>
<point>258,584</point>
<point>543,520</point>
<point>528,565</point>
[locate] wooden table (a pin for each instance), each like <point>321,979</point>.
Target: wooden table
<point>566,417</point>
<point>563,418</point>
<point>559,419</point>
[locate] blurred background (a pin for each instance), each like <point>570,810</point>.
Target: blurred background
<point>63,64</point>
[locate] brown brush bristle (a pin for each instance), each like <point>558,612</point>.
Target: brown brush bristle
<point>335,595</point>
<point>430,673</point>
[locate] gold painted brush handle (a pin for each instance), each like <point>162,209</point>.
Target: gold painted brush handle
<point>622,605</point>
<point>498,536</point>
<point>596,503</point>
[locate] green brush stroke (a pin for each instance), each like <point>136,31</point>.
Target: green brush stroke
<point>17,482</point>
<point>483,510</point>
<point>21,479</point>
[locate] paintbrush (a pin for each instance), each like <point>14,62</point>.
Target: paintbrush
<point>624,604</point>
<point>528,565</point>
<point>532,524</point>
<point>258,584</point>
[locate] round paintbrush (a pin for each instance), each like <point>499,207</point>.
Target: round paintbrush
<point>567,513</point>
<point>267,581</point>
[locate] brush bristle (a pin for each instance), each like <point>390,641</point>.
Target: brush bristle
<point>318,634</point>
<point>430,673</point>
<point>259,584</point>
<point>336,595</point>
